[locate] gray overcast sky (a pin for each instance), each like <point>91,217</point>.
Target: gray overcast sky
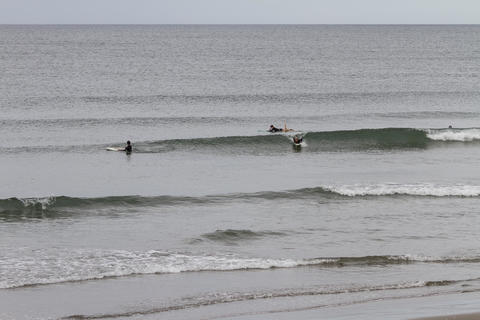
<point>240,11</point>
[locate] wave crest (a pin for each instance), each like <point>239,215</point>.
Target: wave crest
<point>322,141</point>
<point>460,135</point>
<point>267,144</point>
<point>41,267</point>
<point>427,189</point>
<point>14,208</point>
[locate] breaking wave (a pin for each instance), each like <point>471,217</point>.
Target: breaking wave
<point>14,208</point>
<point>40,267</point>
<point>460,135</point>
<point>428,190</point>
<point>323,141</point>
<point>271,144</point>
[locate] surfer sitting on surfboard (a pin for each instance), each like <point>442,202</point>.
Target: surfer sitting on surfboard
<point>128,147</point>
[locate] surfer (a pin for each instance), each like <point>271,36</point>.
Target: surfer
<point>275,129</point>
<point>128,147</point>
<point>297,139</point>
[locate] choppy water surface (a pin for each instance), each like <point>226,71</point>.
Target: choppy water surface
<point>212,213</point>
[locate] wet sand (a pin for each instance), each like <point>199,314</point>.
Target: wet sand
<point>167,297</point>
<point>470,316</point>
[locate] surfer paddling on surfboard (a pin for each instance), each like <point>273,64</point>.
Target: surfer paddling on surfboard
<point>275,129</point>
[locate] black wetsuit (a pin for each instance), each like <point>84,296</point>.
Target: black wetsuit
<point>297,140</point>
<point>273,129</point>
<point>128,148</point>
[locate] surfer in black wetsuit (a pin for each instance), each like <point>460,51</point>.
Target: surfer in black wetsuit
<point>297,139</point>
<point>274,129</point>
<point>128,148</point>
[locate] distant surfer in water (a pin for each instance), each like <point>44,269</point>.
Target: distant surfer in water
<point>128,147</point>
<point>275,129</point>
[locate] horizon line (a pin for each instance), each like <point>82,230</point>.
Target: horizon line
<point>239,24</point>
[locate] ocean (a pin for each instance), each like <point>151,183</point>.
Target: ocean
<point>213,217</point>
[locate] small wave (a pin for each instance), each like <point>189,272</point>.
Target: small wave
<point>54,207</point>
<point>439,283</point>
<point>41,267</point>
<point>392,260</point>
<point>231,236</point>
<point>15,208</point>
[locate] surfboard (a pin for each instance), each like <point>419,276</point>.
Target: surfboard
<point>115,149</point>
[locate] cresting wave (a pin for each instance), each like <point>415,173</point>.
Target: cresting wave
<point>56,206</point>
<point>271,144</point>
<point>42,267</point>
<point>460,135</point>
<point>323,141</point>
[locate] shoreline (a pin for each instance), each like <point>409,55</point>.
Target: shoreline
<point>467,316</point>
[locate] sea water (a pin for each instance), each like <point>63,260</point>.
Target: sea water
<point>211,216</point>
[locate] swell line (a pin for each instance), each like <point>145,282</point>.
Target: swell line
<point>267,144</point>
<point>57,206</point>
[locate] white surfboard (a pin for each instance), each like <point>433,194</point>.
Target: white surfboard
<point>115,149</point>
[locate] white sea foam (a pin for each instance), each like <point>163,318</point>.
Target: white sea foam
<point>46,267</point>
<point>464,135</point>
<point>427,189</point>
<point>43,202</point>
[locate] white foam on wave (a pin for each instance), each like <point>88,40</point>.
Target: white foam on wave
<point>24,266</point>
<point>464,135</point>
<point>427,189</point>
<point>43,202</point>
<point>34,267</point>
